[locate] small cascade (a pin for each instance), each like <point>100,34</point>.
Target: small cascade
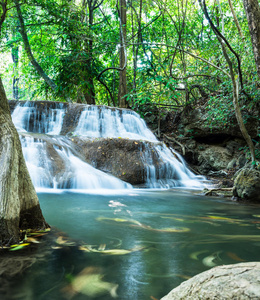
<point>81,175</point>
<point>43,156</point>
<point>28,119</point>
<point>100,121</point>
<point>165,168</point>
<point>37,161</point>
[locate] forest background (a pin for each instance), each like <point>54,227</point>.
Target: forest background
<point>134,53</point>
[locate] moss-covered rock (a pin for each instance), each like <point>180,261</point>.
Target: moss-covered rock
<point>247,185</point>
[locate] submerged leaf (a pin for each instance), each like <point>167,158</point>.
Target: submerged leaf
<point>193,220</point>
<point>234,256</point>
<point>172,229</point>
<point>88,248</point>
<point>119,220</point>
<point>61,241</point>
<point>195,255</point>
<point>209,261</point>
<point>32,240</point>
<point>219,218</point>
<point>241,237</point>
<point>90,283</point>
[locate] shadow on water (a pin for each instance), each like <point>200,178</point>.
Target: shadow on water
<point>137,245</point>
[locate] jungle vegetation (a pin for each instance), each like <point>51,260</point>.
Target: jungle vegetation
<point>135,53</point>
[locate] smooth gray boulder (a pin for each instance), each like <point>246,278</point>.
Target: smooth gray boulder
<point>239,281</point>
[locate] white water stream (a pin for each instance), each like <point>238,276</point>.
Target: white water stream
<point>94,122</point>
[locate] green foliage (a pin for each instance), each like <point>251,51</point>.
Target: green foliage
<point>220,109</point>
<point>73,44</point>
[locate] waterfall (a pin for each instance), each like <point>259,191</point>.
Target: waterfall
<point>100,121</point>
<point>54,162</point>
<point>27,118</point>
<point>172,171</point>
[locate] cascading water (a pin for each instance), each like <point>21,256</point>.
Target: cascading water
<point>44,148</point>
<point>97,122</point>
<point>172,171</point>
<point>100,121</point>
<point>27,118</point>
<point>36,149</point>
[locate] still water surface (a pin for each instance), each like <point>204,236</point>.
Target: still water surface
<point>170,236</point>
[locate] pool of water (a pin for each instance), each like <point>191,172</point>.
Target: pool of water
<point>138,245</point>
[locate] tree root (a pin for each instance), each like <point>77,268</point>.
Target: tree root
<point>209,192</point>
<point>172,139</point>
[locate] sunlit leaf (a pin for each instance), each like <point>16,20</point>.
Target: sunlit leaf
<point>18,246</point>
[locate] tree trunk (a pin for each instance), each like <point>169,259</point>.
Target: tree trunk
<point>252,9</point>
<point>15,58</point>
<point>89,88</point>
<point>19,204</point>
<point>236,20</point>
<point>235,85</point>
<point>122,90</point>
<point>28,50</point>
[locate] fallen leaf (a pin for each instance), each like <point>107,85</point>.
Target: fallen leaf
<point>234,256</point>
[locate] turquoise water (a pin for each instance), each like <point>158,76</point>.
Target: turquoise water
<point>170,236</point>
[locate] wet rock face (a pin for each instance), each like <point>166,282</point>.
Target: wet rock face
<point>247,185</point>
<point>119,157</point>
<point>238,281</point>
<point>122,158</point>
<point>71,118</point>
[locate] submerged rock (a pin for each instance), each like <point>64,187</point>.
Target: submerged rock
<point>247,185</point>
<point>239,281</point>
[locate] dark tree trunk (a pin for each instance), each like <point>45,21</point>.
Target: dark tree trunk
<point>15,57</point>
<point>122,90</point>
<point>89,86</point>
<point>252,9</point>
<point>19,204</point>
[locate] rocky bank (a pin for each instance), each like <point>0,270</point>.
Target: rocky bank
<point>216,151</point>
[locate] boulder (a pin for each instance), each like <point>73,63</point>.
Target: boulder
<point>126,159</point>
<point>247,185</point>
<point>214,158</point>
<point>121,158</point>
<point>239,281</point>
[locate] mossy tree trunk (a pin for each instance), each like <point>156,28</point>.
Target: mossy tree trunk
<point>19,204</point>
<point>252,9</point>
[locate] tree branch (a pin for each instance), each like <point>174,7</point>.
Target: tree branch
<point>28,50</point>
<point>218,33</point>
